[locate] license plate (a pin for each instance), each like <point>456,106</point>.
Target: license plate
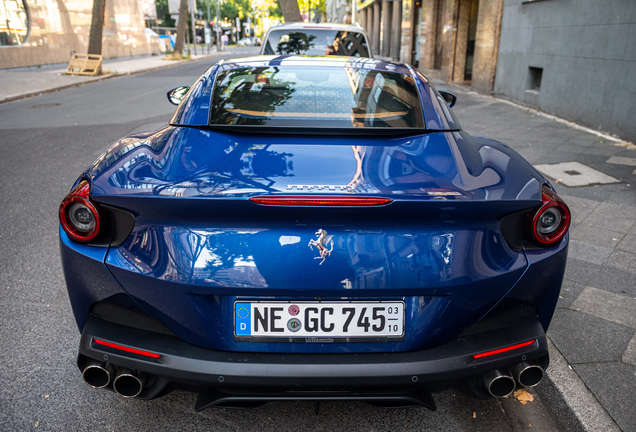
<point>319,322</point>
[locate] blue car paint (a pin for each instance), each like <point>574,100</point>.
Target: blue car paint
<point>443,184</point>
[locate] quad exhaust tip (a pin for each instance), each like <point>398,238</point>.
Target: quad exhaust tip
<point>98,374</point>
<point>129,383</point>
<point>499,383</point>
<point>528,374</point>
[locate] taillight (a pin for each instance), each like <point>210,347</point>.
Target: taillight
<point>552,220</point>
<point>326,201</point>
<point>79,217</point>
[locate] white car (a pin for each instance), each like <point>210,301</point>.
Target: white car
<point>317,39</point>
<point>245,42</point>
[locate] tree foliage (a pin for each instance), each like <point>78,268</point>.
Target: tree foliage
<point>163,14</point>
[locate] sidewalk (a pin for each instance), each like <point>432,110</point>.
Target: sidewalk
<point>593,356</point>
<point>25,82</point>
<point>591,382</point>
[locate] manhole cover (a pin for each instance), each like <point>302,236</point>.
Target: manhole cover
<point>576,174</point>
<point>49,105</point>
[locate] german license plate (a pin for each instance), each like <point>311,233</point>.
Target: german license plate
<point>319,322</point>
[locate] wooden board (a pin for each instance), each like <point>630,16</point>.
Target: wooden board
<point>85,64</point>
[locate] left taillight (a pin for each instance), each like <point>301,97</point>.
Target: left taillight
<point>80,218</point>
<point>552,220</point>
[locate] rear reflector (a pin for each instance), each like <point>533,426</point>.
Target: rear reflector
<point>127,349</point>
<point>328,201</point>
<point>510,348</point>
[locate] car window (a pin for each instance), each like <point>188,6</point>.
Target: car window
<point>316,42</point>
<point>308,97</point>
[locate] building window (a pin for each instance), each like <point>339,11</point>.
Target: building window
<point>14,22</point>
<point>535,78</point>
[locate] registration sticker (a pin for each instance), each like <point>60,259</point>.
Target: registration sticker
<point>323,322</point>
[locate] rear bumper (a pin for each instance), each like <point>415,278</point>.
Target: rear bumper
<point>187,366</point>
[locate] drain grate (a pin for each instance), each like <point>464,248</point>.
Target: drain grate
<point>47,105</point>
<point>574,174</point>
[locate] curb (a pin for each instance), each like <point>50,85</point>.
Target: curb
<point>102,78</point>
<point>571,404</point>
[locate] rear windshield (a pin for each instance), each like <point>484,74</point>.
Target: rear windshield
<point>316,42</point>
<point>295,96</point>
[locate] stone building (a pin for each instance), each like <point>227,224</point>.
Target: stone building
<point>455,40</point>
<point>571,58</point>
<point>39,32</point>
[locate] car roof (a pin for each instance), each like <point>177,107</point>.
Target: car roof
<point>305,60</point>
<point>318,26</point>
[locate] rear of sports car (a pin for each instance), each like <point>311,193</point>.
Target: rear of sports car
<point>285,265</point>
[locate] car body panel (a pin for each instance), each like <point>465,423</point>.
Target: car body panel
<point>197,243</point>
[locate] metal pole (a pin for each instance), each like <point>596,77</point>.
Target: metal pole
<point>353,12</point>
<point>207,25</point>
<point>194,31</point>
<point>219,44</point>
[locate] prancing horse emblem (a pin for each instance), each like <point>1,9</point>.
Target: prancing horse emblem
<point>321,244</point>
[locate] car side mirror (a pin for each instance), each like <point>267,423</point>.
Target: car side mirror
<point>176,95</point>
<point>448,97</point>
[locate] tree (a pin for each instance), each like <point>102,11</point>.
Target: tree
<point>291,12</point>
<point>181,28</point>
<point>97,27</point>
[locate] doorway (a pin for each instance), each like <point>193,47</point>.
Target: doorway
<point>470,46</point>
<point>440,19</point>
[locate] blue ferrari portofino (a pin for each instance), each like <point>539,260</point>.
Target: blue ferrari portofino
<point>312,228</point>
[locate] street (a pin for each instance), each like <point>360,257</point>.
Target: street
<point>46,142</point>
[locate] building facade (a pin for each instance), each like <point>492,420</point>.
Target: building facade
<point>454,40</point>
<point>572,58</point>
<point>39,32</point>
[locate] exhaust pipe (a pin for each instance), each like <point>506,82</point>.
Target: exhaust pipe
<point>528,374</point>
<point>499,383</point>
<point>129,383</point>
<point>98,374</point>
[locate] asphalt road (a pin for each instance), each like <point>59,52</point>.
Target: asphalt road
<point>45,143</point>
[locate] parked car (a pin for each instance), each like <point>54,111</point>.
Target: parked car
<point>246,41</point>
<point>312,228</point>
<point>317,39</point>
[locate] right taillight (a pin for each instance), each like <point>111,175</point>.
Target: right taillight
<point>552,220</point>
<point>79,217</point>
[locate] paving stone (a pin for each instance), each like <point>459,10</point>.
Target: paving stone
<point>614,385</point>
<point>589,252</point>
<point>630,161</point>
<point>624,197</point>
<point>597,193</point>
<point>601,149</point>
<point>597,236</point>
<point>612,307</point>
<point>622,260</point>
<point>613,280</point>
<point>628,243</point>
<point>585,338</point>
<point>629,356</point>
<point>607,219</point>
<point>580,271</point>
<point>570,290</point>
<point>620,210</point>
<point>575,174</point>
<point>579,207</point>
